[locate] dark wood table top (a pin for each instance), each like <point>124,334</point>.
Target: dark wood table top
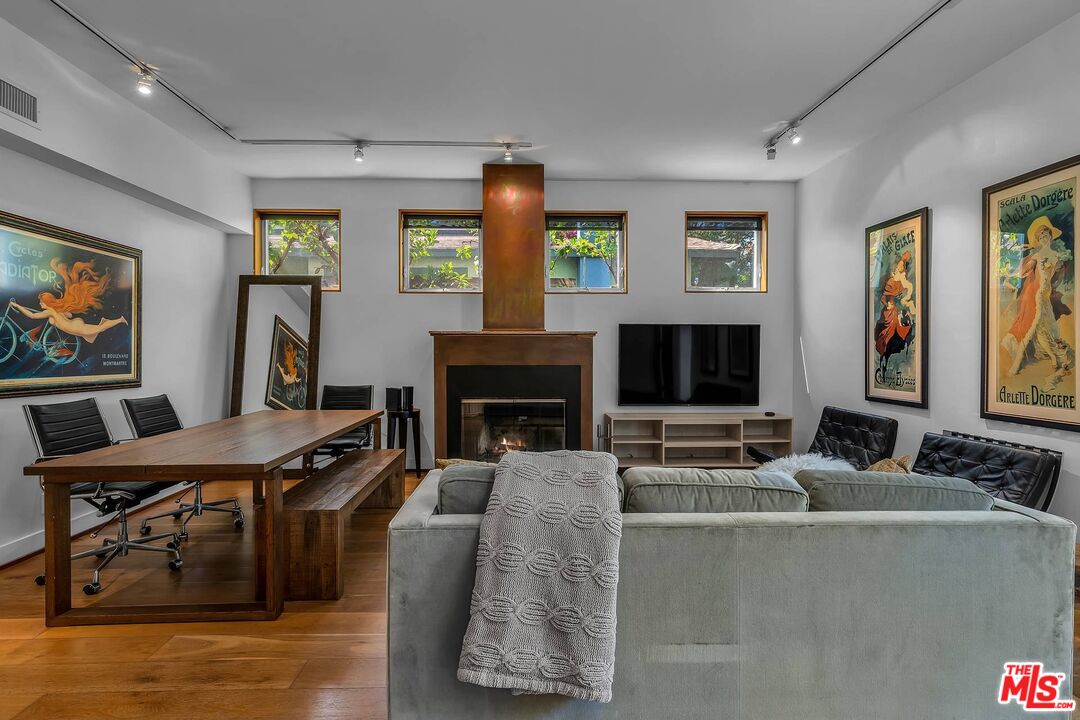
<point>244,445</point>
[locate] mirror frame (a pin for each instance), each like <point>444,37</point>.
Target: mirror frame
<point>243,294</point>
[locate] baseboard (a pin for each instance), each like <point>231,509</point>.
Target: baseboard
<point>17,550</point>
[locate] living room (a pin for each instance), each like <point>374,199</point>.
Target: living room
<point>395,359</point>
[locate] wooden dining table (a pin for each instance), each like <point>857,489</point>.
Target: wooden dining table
<point>251,447</point>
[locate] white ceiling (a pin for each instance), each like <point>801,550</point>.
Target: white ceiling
<point>614,89</point>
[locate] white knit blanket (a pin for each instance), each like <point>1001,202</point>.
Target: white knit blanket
<point>542,618</point>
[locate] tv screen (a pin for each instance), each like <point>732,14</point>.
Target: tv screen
<point>688,364</point>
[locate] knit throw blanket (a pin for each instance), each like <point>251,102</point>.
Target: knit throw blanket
<point>542,617</point>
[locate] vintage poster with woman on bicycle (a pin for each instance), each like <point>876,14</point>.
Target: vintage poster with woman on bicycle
<point>1030,298</point>
<point>70,310</point>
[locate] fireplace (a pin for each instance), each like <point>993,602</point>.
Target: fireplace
<point>513,377</point>
<point>491,409</point>
<point>492,427</point>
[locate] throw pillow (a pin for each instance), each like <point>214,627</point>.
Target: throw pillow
<point>900,465</point>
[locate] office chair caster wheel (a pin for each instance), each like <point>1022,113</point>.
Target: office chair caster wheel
<point>177,515</point>
<point>144,529</point>
<point>238,523</point>
<point>172,545</point>
<point>176,564</point>
<point>91,588</point>
<point>183,535</point>
<point>40,580</point>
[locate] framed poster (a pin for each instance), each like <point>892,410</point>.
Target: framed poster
<point>71,310</point>
<point>286,385</point>
<point>1030,312</point>
<point>898,310</point>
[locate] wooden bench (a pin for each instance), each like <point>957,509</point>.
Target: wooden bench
<point>315,512</point>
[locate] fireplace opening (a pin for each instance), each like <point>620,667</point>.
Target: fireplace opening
<point>492,427</point>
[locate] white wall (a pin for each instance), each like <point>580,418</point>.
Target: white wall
<point>371,334</point>
<point>1017,115</point>
<point>186,317</point>
<point>90,130</point>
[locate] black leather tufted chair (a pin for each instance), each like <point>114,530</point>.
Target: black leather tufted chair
<point>1021,474</point>
<point>860,438</point>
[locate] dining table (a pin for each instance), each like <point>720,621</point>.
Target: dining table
<point>254,447</point>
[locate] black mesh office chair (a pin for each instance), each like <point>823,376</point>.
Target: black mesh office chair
<point>154,416</point>
<point>346,397</point>
<point>69,428</point>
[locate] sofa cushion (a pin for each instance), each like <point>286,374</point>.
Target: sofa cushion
<point>464,489</point>
<point>680,490</point>
<point>853,490</point>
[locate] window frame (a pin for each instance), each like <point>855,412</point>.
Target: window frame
<point>625,215</point>
<point>260,213</point>
<point>403,289</point>
<point>763,250</point>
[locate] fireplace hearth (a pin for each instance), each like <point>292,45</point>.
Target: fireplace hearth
<point>492,427</point>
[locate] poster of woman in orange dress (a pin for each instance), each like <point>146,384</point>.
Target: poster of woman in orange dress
<point>1029,353</point>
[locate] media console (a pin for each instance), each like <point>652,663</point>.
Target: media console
<point>705,440</point>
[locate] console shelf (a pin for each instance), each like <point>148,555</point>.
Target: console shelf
<point>705,440</point>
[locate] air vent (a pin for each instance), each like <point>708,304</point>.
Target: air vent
<point>18,103</point>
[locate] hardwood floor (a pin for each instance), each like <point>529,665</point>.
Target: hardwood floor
<point>321,659</point>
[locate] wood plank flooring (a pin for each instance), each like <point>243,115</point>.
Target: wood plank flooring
<point>322,659</point>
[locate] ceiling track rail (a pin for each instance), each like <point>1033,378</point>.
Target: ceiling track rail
<point>904,34</point>
<point>145,67</point>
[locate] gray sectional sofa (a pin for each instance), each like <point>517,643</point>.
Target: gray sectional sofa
<point>787,613</point>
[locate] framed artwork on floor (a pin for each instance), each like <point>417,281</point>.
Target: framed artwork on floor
<point>71,310</point>
<point>898,310</point>
<point>1030,313</point>
<point>286,385</point>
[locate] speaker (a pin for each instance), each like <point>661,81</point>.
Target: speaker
<point>406,397</point>
<point>393,398</point>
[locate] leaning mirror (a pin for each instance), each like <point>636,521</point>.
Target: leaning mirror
<point>276,351</point>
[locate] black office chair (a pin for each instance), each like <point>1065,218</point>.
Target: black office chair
<point>346,397</point>
<point>69,428</point>
<point>155,416</point>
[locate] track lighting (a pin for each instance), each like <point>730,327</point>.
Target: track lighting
<point>770,152</point>
<point>358,153</point>
<point>795,137</point>
<point>145,86</point>
<point>508,156</point>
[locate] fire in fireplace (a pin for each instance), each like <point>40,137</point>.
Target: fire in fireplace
<point>492,427</point>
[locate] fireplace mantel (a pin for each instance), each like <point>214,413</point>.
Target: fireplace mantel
<point>513,347</point>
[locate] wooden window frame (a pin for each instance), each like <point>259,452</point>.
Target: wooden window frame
<point>260,213</point>
<point>763,250</point>
<point>625,215</point>
<point>402,289</point>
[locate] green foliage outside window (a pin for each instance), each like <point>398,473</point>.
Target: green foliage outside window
<point>304,245</point>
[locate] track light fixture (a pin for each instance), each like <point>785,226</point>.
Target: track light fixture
<point>770,152</point>
<point>795,137</point>
<point>508,156</point>
<point>145,85</point>
<point>358,152</point>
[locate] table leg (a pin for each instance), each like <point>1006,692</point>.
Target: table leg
<point>270,545</point>
<point>416,442</point>
<point>57,550</point>
<point>376,434</point>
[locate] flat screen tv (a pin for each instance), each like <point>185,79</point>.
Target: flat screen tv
<point>688,364</point>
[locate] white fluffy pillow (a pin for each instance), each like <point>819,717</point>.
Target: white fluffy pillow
<point>791,464</point>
